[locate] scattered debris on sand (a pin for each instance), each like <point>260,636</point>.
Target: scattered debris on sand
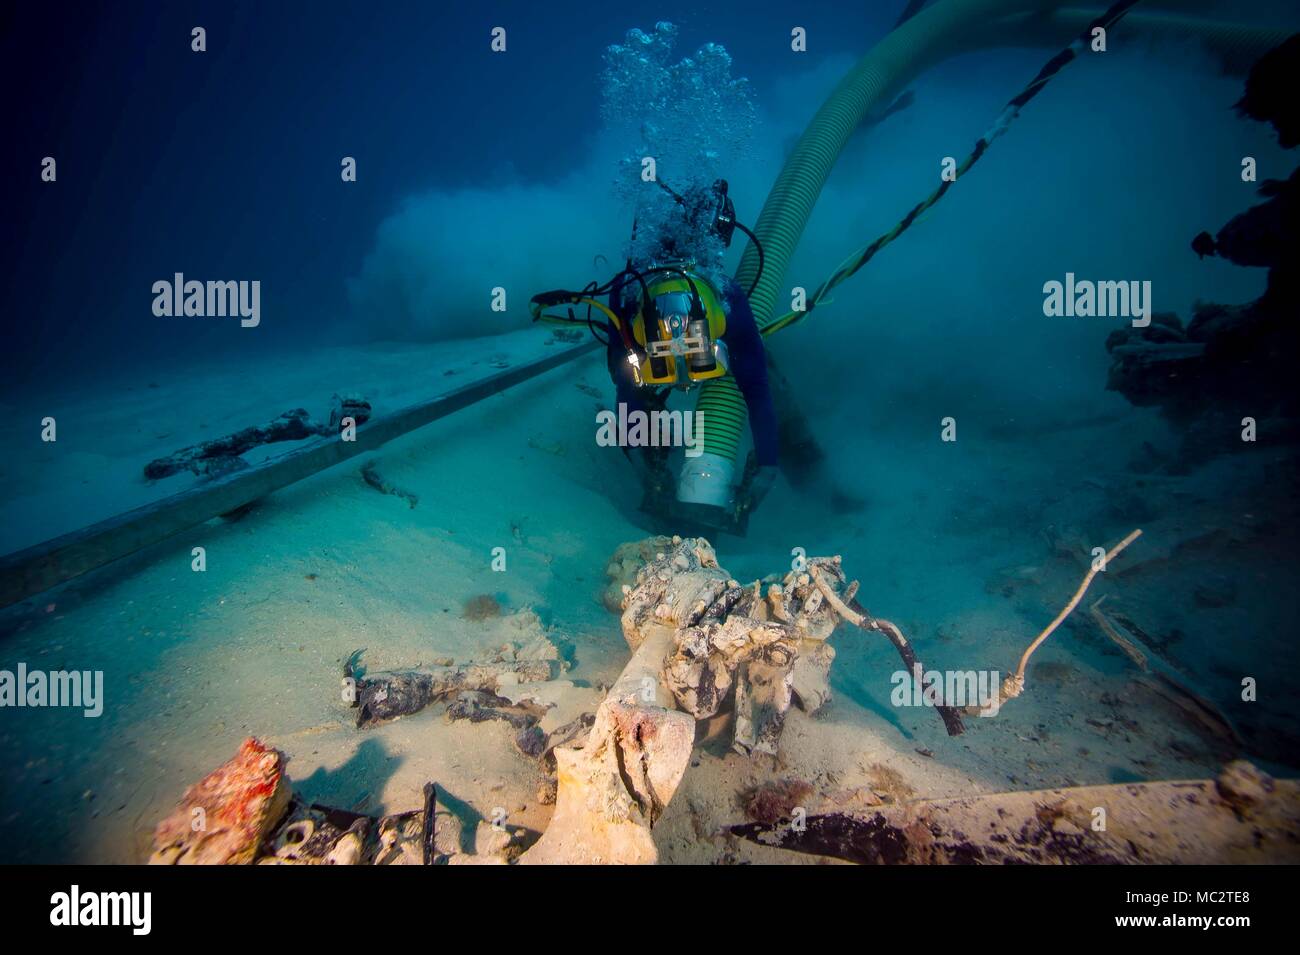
<point>704,647</point>
<point>370,474</point>
<point>220,456</point>
<point>245,812</point>
<point>380,697</point>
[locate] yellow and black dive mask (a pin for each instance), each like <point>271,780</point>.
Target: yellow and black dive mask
<point>680,327</point>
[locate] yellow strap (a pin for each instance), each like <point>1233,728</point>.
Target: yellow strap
<point>553,319</point>
<point>604,308</point>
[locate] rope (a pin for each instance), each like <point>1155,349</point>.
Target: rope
<point>1000,125</point>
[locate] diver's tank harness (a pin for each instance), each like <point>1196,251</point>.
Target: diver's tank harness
<point>680,325</point>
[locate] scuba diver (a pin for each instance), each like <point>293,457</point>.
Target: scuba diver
<point>673,321</point>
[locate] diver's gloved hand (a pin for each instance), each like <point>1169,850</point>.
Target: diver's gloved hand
<point>759,486</point>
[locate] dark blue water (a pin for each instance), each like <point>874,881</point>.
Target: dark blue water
<point>478,170</point>
<point>226,163</point>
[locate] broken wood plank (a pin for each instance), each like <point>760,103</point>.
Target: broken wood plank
<point>38,568</point>
<point>1242,817</point>
<point>1166,681</point>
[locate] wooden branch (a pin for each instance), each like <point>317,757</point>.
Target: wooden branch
<point>1167,682</point>
<point>1014,683</point>
<point>951,717</point>
<point>426,836</point>
<point>1074,602</point>
<point>1187,822</point>
<point>856,614</point>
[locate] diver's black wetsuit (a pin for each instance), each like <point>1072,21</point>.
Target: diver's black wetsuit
<point>747,363</point>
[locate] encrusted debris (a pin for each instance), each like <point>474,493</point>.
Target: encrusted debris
<point>224,818</point>
<point>614,782</point>
<point>221,456</point>
<point>370,474</point>
<point>1244,817</point>
<point>759,650</point>
<point>380,697</point>
<point>245,812</point>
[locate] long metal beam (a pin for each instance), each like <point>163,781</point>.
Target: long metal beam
<point>29,572</point>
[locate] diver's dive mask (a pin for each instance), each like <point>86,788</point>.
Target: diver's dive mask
<point>689,337</point>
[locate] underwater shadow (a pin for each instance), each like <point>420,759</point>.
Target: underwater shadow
<point>366,771</point>
<point>854,659</point>
<point>465,815</point>
<point>857,693</point>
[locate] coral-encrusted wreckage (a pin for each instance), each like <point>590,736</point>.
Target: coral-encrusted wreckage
<point>1238,818</point>
<point>246,812</point>
<point>699,639</point>
<point>224,455</point>
<point>1232,362</point>
<point>769,645</point>
<point>224,817</point>
<point>703,643</point>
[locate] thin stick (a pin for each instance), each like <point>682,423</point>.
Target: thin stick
<point>833,599</point>
<point>1124,643</point>
<point>856,614</point>
<point>1167,682</point>
<point>428,852</point>
<point>1074,602</point>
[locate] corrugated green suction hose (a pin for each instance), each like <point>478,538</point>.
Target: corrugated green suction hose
<point>893,62</point>
<point>942,30</point>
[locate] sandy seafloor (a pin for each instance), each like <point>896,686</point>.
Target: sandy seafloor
<point>952,542</point>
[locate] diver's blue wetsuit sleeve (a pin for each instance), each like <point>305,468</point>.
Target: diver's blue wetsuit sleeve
<point>749,366</point>
<point>620,371</point>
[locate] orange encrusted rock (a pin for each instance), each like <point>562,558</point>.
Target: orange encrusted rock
<point>224,818</point>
